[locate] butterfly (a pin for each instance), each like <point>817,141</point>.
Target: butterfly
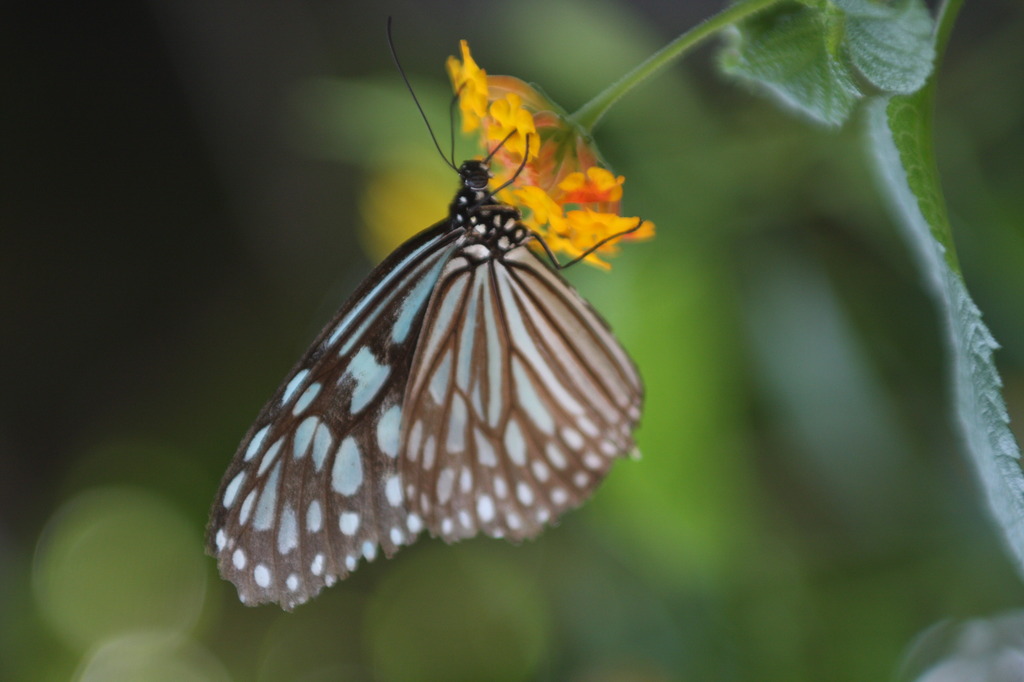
<point>464,388</point>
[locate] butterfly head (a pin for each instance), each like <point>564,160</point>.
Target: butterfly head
<point>475,175</point>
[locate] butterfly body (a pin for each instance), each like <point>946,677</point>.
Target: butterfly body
<point>465,387</point>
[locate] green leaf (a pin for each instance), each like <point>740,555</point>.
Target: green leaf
<point>821,59</point>
<point>785,51</point>
<point>900,141</point>
<point>893,51</point>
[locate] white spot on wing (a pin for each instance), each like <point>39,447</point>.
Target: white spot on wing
<point>414,441</point>
<point>524,493</point>
<point>477,251</point>
<point>288,531</point>
<point>457,425</point>
<point>304,436</point>
<point>444,485</point>
<point>264,517</point>
<point>397,536</point>
<point>243,514</point>
<point>322,440</point>
<point>292,582</point>
<point>388,430</point>
<point>222,539</point>
<point>314,517</point>
<point>429,451</point>
<point>232,490</point>
<point>349,523</point>
<point>262,575</point>
<point>306,398</point>
<point>347,473</point>
<point>588,427</point>
<point>414,523</point>
<point>439,382</point>
<point>238,559</point>
<point>485,508</point>
<point>293,385</point>
<point>317,566</point>
<point>484,449</point>
<point>393,490</point>
<point>256,443</point>
<point>369,376</point>
<point>269,456</point>
<point>515,445</point>
<point>369,550</point>
<point>572,438</point>
<point>555,456</point>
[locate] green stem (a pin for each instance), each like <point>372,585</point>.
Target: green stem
<point>590,113</point>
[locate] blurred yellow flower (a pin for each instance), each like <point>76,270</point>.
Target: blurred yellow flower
<point>598,184</point>
<point>470,82</point>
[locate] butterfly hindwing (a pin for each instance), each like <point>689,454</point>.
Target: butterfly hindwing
<point>311,489</point>
<point>520,399</point>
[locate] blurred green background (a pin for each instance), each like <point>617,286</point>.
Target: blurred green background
<point>187,191</point>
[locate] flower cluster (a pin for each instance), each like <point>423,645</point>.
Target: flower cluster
<point>564,193</point>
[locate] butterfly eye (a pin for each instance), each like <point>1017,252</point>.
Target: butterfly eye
<point>464,388</point>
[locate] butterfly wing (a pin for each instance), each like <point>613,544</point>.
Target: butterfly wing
<point>311,489</point>
<point>520,400</point>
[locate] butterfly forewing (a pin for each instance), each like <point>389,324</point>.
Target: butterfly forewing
<point>520,400</point>
<point>311,489</point>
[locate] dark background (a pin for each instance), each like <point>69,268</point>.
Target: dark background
<point>185,202</point>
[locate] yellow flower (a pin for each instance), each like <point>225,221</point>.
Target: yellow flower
<point>563,193</point>
<point>597,185</point>
<point>540,210</point>
<point>509,119</point>
<point>470,83</point>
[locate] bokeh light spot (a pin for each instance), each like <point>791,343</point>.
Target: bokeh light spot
<point>118,560</point>
<point>153,657</point>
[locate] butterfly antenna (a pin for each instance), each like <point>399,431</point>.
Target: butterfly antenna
<point>451,124</point>
<point>592,249</point>
<point>487,159</point>
<point>522,165</point>
<point>394,55</point>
